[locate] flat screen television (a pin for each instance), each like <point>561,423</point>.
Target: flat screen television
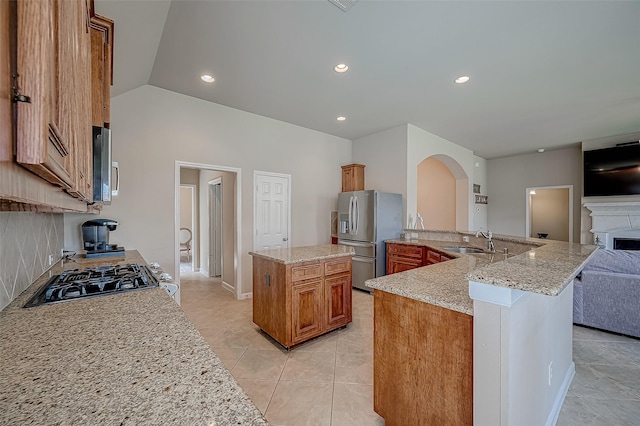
<point>612,171</point>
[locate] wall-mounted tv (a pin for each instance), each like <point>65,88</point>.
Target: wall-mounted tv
<point>612,171</point>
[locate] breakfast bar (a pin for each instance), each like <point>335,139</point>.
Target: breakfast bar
<point>488,334</point>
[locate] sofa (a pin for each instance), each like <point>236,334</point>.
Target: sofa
<point>606,293</point>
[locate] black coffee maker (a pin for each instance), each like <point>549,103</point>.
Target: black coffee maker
<point>95,237</point>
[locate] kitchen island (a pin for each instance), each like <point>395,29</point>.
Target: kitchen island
<point>300,293</point>
<point>482,339</point>
<point>128,358</point>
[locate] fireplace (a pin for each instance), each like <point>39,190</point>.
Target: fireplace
<point>616,226</point>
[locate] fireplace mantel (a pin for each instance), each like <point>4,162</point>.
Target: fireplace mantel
<point>610,220</point>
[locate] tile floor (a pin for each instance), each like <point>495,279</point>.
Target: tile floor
<point>329,381</point>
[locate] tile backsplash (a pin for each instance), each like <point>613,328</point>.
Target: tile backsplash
<point>26,241</point>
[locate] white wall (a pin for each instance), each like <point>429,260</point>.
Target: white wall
<point>508,178</point>
<point>153,128</point>
<point>479,211</point>
<point>422,144</point>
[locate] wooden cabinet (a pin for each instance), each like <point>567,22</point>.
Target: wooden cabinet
<point>51,135</point>
<point>296,302</point>
<point>422,363</point>
<point>402,257</point>
<point>6,115</point>
<point>101,69</point>
<point>353,177</point>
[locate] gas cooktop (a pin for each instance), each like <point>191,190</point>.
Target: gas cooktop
<point>100,281</point>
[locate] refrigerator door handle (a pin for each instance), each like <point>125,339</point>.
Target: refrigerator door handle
<point>356,214</point>
<point>350,215</point>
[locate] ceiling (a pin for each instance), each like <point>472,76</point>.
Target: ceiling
<point>543,74</point>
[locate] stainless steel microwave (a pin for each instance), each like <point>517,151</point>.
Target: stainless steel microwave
<point>103,184</point>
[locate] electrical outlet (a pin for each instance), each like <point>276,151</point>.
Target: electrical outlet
<point>550,372</point>
<point>61,253</point>
<point>50,259</point>
<point>465,239</point>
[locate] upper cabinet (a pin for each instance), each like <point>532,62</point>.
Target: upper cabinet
<point>353,177</point>
<point>51,46</point>
<point>101,69</point>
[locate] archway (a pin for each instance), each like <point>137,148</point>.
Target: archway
<point>442,193</point>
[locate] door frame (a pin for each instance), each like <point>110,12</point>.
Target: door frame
<point>528,208</point>
<point>257,173</point>
<point>237,273</point>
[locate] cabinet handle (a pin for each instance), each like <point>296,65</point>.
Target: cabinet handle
<point>17,96</point>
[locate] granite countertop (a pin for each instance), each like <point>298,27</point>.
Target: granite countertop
<point>546,268</point>
<point>128,358</point>
<point>304,254</point>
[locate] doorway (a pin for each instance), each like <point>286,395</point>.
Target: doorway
<point>229,230</point>
<point>187,240</point>
<point>549,212</point>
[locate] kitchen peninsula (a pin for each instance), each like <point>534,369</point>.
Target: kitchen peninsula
<point>129,358</point>
<point>302,292</point>
<point>484,339</point>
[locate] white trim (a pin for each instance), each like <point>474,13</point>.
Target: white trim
<point>210,184</point>
<point>256,173</point>
<point>562,393</point>
<point>246,296</point>
<point>238,240</point>
<point>528,208</point>
<point>228,287</point>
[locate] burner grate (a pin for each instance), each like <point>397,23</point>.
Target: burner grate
<point>79,283</point>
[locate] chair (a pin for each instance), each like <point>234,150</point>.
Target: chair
<point>185,242</point>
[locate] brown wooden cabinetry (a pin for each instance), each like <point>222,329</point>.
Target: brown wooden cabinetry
<point>51,135</point>
<point>422,363</point>
<point>353,177</point>
<point>296,302</point>
<point>402,257</point>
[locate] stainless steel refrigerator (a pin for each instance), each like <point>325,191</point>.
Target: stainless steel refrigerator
<point>365,220</point>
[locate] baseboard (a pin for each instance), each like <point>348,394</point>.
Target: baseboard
<point>246,295</point>
<point>228,287</point>
<point>562,392</point>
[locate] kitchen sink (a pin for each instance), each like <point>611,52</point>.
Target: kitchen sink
<point>465,250</point>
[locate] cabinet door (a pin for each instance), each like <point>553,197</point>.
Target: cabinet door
<point>398,264</point>
<point>6,116</point>
<point>432,257</point>
<point>338,300</point>
<point>101,69</point>
<point>306,308</point>
<point>41,145</point>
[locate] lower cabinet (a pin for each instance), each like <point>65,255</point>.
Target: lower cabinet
<point>402,257</point>
<point>296,302</point>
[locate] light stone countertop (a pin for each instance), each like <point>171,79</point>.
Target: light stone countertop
<point>129,358</point>
<point>304,254</point>
<point>546,268</point>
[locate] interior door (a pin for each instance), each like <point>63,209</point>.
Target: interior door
<point>215,227</point>
<point>272,210</point>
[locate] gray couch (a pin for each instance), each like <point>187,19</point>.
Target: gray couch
<point>606,293</point>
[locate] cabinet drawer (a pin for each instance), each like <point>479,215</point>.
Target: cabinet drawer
<point>306,272</point>
<point>433,256</point>
<point>337,266</point>
<point>405,250</point>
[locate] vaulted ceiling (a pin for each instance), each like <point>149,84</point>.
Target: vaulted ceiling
<point>543,74</point>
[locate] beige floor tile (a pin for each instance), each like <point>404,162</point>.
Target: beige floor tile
<point>260,364</point>
<point>301,404</point>
<point>353,342</point>
<point>259,391</point>
<point>310,367</point>
<point>229,356</point>
<point>575,412</point>
<point>622,412</point>
<point>353,406</point>
<point>354,368</point>
<point>325,343</point>
<point>264,341</point>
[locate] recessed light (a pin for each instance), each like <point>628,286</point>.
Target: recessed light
<point>341,118</point>
<point>341,68</point>
<point>541,150</point>
<point>461,80</point>
<point>207,78</point>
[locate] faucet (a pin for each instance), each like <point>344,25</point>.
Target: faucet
<point>489,236</point>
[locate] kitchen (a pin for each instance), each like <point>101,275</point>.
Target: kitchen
<point>148,117</point>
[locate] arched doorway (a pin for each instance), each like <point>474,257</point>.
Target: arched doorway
<point>442,193</point>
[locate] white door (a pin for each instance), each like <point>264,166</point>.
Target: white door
<point>215,228</point>
<point>272,210</point>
